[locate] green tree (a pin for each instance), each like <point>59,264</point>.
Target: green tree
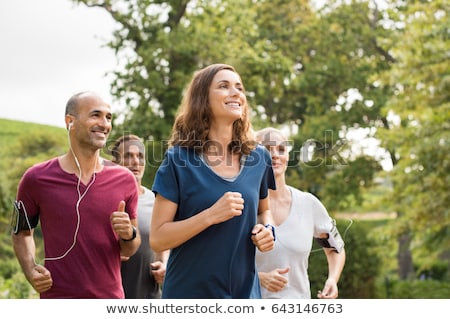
<point>295,61</point>
<point>419,132</point>
<point>22,152</point>
<point>321,73</point>
<point>159,45</point>
<point>326,91</point>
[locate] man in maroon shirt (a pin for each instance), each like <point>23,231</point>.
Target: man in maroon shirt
<point>86,207</point>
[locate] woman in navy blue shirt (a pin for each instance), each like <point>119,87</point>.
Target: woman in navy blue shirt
<point>212,207</point>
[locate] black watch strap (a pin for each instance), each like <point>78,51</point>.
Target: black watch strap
<point>133,236</point>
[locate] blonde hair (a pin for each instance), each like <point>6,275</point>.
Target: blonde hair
<point>263,135</point>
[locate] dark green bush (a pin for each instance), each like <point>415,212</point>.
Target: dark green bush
<point>418,289</point>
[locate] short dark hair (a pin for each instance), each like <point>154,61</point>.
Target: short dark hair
<point>73,102</point>
<point>125,138</point>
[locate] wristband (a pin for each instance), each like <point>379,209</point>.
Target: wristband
<point>132,236</point>
<point>273,230</point>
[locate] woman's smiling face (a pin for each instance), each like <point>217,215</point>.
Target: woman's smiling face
<point>226,96</point>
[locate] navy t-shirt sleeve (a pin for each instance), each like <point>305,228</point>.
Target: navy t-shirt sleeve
<point>268,180</point>
<point>166,181</point>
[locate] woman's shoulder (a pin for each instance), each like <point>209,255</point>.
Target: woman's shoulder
<point>304,195</point>
<point>181,156</point>
<point>260,149</point>
<point>307,199</point>
<point>177,150</point>
<point>260,152</point>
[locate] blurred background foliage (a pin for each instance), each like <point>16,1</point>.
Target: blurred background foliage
<point>361,88</point>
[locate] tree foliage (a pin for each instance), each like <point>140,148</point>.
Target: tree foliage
<point>22,145</point>
<point>296,63</point>
<point>420,131</point>
<point>322,73</point>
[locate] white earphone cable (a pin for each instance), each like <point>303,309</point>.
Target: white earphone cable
<point>77,206</point>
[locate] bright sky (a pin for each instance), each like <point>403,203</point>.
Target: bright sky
<point>51,49</point>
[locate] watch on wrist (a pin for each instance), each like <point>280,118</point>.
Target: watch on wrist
<point>132,236</point>
<point>273,229</point>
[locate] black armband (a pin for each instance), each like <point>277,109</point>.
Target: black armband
<point>333,240</point>
<point>20,219</point>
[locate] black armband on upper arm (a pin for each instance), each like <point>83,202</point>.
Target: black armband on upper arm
<point>20,219</point>
<point>333,240</point>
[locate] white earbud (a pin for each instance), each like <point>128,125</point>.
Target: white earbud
<point>70,126</point>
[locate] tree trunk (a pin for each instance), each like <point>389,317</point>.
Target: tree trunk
<point>404,257</point>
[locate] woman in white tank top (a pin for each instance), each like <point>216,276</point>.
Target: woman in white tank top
<point>299,217</point>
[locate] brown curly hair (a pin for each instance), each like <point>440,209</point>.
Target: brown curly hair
<point>191,127</point>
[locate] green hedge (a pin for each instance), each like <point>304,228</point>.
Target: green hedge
<point>416,289</point>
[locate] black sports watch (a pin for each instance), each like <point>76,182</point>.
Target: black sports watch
<point>132,236</point>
